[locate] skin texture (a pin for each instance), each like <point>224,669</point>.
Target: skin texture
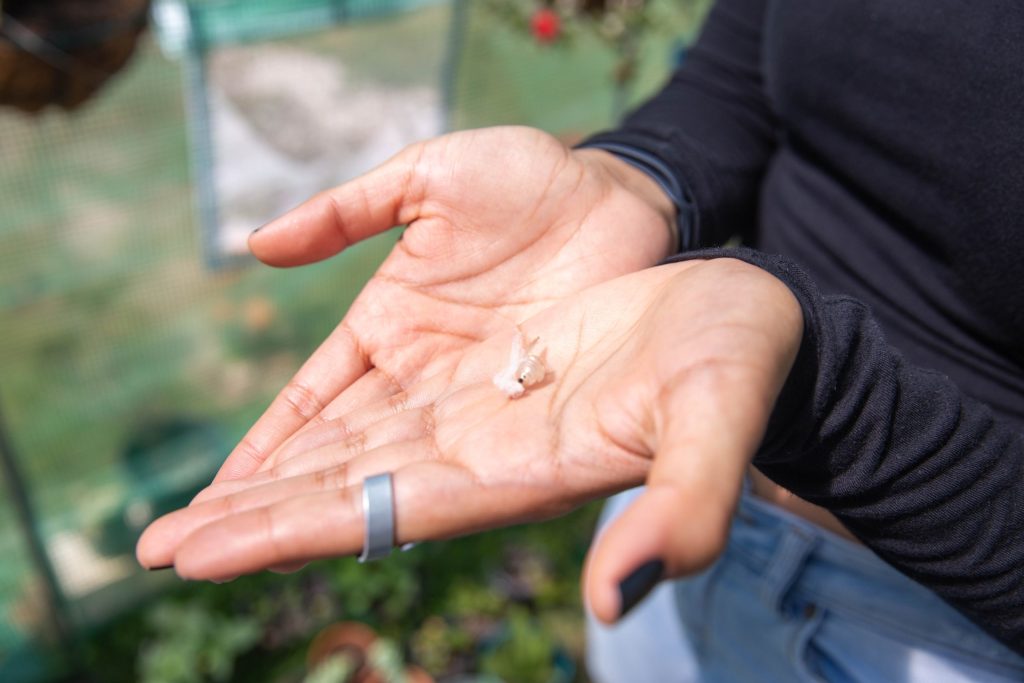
<point>666,376</point>
<point>503,222</point>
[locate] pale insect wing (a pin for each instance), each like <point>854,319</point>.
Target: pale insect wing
<point>506,379</point>
<point>517,353</point>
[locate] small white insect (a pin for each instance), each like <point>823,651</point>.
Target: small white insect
<point>524,368</point>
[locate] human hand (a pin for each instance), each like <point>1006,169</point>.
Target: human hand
<point>503,222</point>
<point>666,376</point>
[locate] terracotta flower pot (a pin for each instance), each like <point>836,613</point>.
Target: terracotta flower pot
<point>350,638</point>
<point>414,674</point>
<point>354,640</point>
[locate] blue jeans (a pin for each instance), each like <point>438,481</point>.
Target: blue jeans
<point>789,601</point>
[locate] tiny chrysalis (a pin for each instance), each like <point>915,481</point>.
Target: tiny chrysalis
<point>524,368</point>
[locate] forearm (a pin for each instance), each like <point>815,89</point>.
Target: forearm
<point>927,477</point>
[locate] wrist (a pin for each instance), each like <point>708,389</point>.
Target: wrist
<point>639,184</point>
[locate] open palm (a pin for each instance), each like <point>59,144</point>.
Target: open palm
<point>502,223</point>
<point>666,375</point>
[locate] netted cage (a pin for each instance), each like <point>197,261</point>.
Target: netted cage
<point>137,338</point>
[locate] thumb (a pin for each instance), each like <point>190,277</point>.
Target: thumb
<point>337,218</point>
<point>707,427</point>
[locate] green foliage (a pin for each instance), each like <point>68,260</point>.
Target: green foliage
<point>436,643</point>
<point>472,599</point>
<point>386,657</point>
<point>504,603</point>
<point>191,643</point>
<point>525,653</point>
<point>382,592</point>
<point>335,669</point>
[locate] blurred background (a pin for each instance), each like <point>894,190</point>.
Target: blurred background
<point>140,143</point>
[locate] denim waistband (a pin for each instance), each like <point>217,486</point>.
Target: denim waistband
<point>793,554</point>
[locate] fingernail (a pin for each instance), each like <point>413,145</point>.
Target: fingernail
<point>638,584</point>
<point>159,568</point>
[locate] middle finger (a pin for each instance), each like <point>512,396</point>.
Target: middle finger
<point>368,409</point>
<point>347,444</point>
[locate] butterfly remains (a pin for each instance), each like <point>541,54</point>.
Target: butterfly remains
<point>524,368</point>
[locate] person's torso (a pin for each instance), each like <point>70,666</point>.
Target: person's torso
<point>900,175</point>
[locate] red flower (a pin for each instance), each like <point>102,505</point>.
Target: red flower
<point>546,25</point>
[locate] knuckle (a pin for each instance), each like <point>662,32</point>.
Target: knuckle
<point>354,445</point>
<point>427,421</point>
<point>227,505</point>
<point>342,426</point>
<point>250,452</point>
<point>332,478</point>
<point>301,400</point>
<point>397,402</point>
<point>393,385</point>
<point>271,534</point>
<point>352,500</point>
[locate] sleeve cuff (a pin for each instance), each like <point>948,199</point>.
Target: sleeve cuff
<point>790,427</point>
<point>659,172</point>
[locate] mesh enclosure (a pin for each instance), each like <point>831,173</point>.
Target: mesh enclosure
<point>137,341</point>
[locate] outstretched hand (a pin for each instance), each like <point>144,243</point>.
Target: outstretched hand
<point>502,223</point>
<point>666,376</point>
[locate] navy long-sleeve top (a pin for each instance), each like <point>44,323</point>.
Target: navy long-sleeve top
<point>878,147</point>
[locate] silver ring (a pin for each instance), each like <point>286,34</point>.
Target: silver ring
<point>378,516</point>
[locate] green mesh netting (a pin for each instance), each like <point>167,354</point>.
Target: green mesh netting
<point>216,22</point>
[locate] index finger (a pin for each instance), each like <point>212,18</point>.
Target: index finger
<point>330,370</point>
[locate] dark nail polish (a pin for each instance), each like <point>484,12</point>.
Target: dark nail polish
<point>638,584</point>
<point>156,569</point>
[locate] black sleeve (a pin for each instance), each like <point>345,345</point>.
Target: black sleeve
<point>711,126</point>
<point>928,478</point>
